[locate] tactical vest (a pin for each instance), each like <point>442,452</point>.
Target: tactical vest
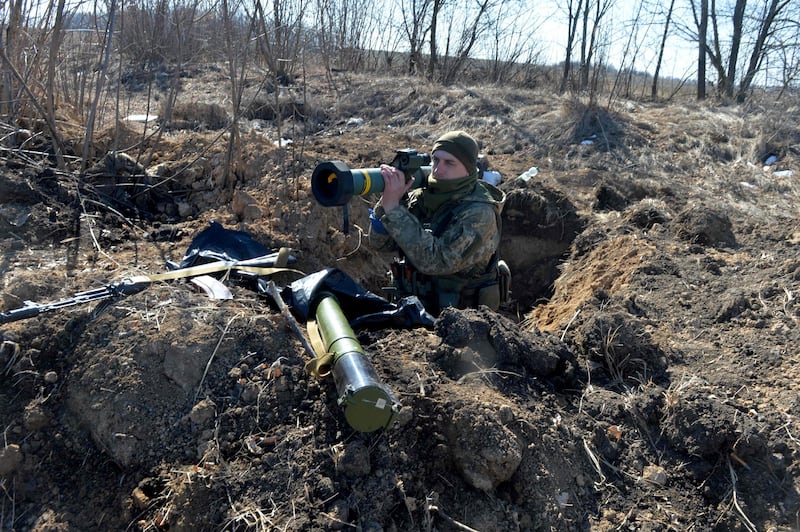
<point>490,288</point>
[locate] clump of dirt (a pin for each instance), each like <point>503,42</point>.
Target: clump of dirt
<point>643,376</point>
<point>701,224</point>
<point>620,342</point>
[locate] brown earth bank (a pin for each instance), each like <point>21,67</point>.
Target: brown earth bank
<point>644,375</point>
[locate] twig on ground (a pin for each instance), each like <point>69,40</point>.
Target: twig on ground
<point>742,516</point>
<point>788,298</point>
<point>99,249</point>
<point>564,334</point>
<point>614,364</point>
<point>406,501</point>
<point>252,519</point>
<point>334,519</point>
<point>450,520</point>
<point>488,371</point>
<point>789,434</point>
<point>272,290</point>
<point>739,460</point>
<point>294,516</point>
<point>13,350</point>
<point>9,521</point>
<point>216,348</point>
<point>595,462</point>
<point>121,216</point>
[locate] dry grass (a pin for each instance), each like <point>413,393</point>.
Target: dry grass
<point>196,115</point>
<point>8,516</point>
<point>9,355</point>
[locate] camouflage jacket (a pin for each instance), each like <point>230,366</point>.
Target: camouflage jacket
<point>458,240</point>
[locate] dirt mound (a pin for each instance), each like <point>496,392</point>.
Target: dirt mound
<point>644,375</point>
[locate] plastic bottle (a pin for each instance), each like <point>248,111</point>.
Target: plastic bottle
<point>490,176</point>
<point>529,173</point>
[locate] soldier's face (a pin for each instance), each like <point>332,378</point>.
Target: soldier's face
<point>446,166</point>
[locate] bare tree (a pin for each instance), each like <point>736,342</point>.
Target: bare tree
<point>327,14</point>
<point>11,47</point>
<point>414,25</point>
<point>343,27</point>
<point>701,21</point>
<point>574,10</point>
<point>280,39</point>
<point>30,48</point>
<point>589,36</point>
<point>432,60</point>
<point>235,46</point>
<point>768,25</point>
<point>466,26</point>
<point>661,47</point>
<point>50,90</point>
<point>183,23</point>
<point>630,53</point>
<point>510,44</point>
<point>584,20</point>
<point>101,78</point>
<point>760,36</point>
<point>727,77</point>
<point>788,49</point>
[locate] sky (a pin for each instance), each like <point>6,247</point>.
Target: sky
<point>680,57</point>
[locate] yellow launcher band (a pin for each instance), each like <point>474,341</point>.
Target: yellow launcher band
<point>367,182</point>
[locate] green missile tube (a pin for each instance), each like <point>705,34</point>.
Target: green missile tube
<point>333,183</point>
<point>368,403</point>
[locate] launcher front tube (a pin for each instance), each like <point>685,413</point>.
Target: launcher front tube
<point>368,403</point>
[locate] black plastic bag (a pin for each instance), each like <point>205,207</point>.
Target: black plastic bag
<point>363,309</point>
<point>217,243</point>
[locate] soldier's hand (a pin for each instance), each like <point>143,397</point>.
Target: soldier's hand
<point>395,186</point>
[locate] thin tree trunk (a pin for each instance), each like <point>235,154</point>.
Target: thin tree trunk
<point>716,56</point>
<point>101,76</point>
<point>584,67</point>
<point>654,88</point>
<point>702,39</point>
<point>233,138</point>
<point>572,27</point>
<point>8,48</point>
<point>736,42</point>
<point>432,61</point>
<point>55,45</point>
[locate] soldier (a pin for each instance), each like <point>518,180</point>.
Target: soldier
<point>448,233</point>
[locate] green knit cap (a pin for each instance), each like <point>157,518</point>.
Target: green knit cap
<point>462,146</point>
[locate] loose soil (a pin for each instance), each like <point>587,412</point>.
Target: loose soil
<point>643,376</point>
